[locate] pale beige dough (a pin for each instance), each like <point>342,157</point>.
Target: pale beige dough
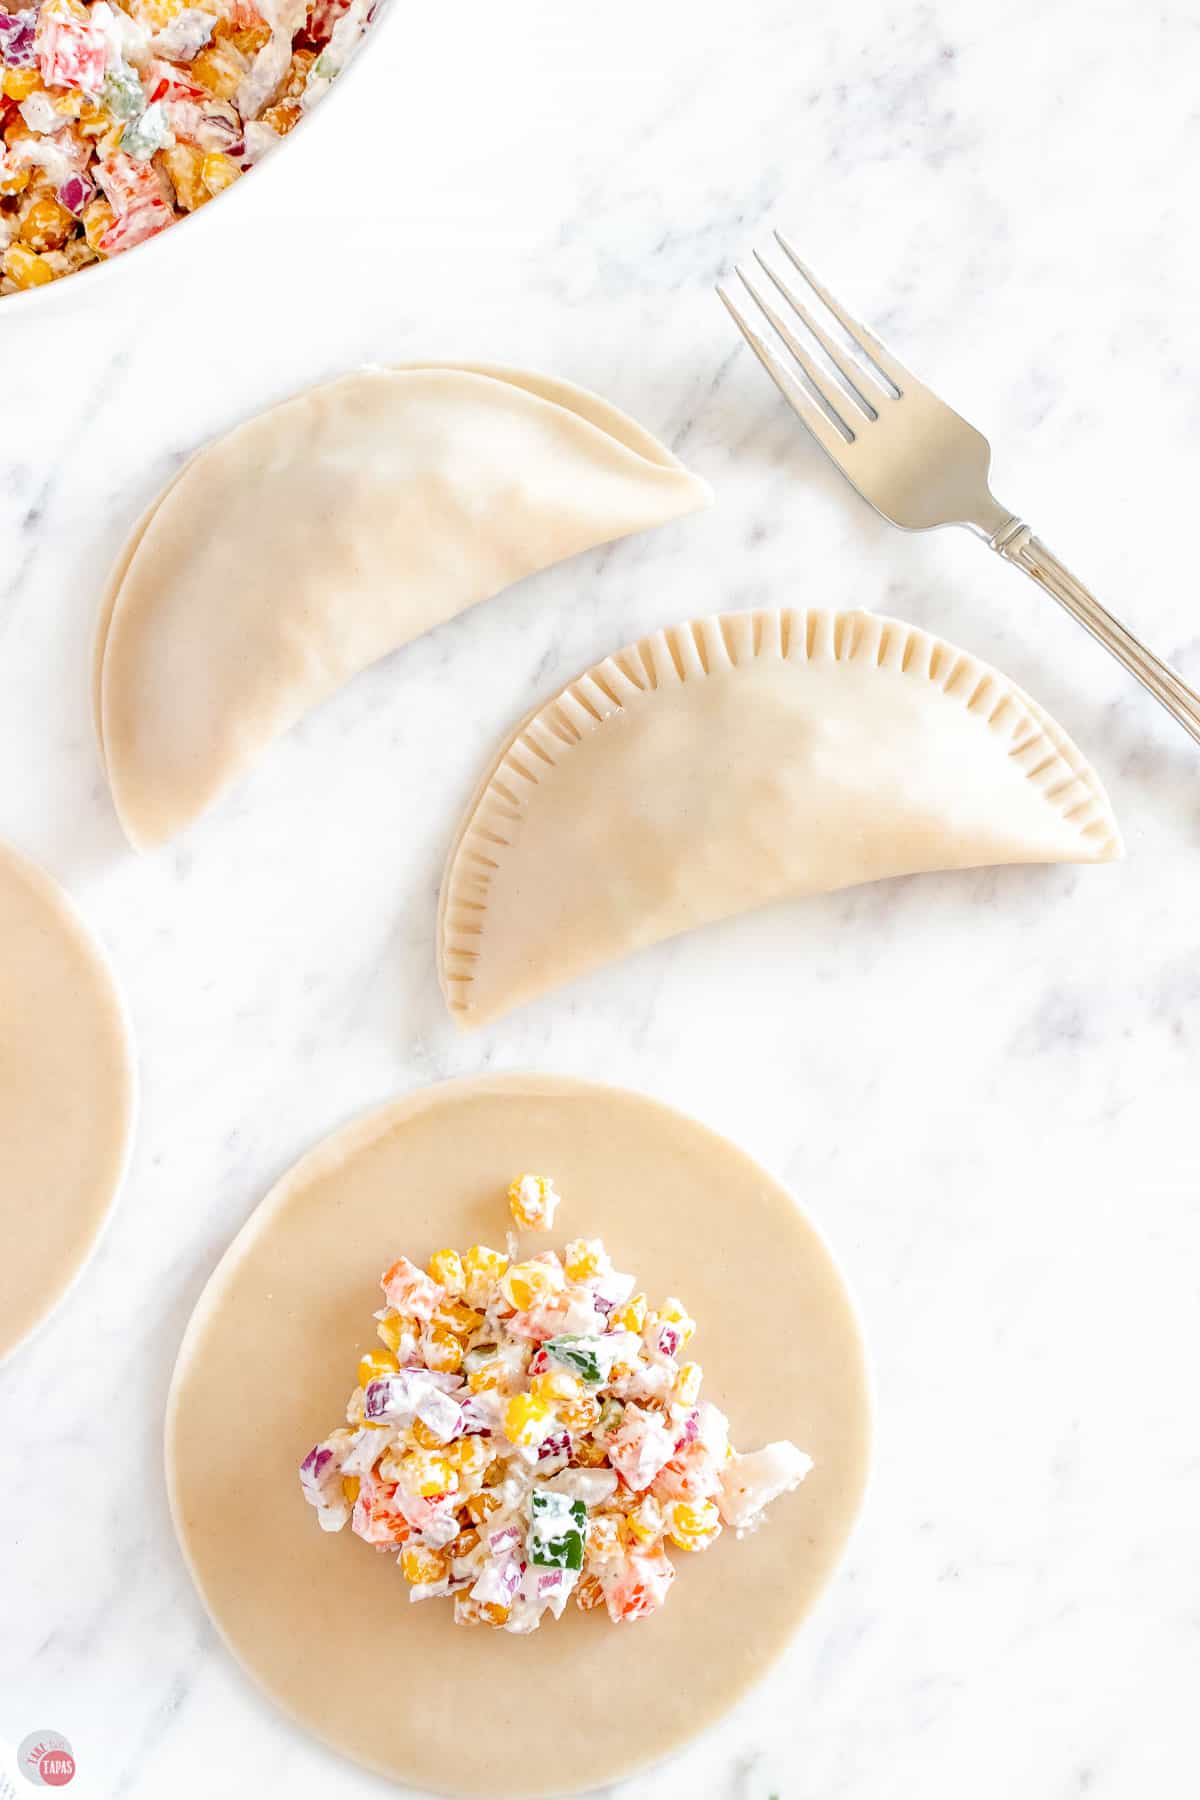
<point>314,539</point>
<point>66,1096</point>
<point>323,1622</point>
<point>741,759</point>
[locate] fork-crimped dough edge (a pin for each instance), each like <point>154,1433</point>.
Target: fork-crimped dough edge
<point>718,643</point>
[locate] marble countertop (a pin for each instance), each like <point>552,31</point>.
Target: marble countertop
<point>982,1085</point>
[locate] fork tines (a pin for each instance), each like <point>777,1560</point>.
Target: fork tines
<point>828,396</point>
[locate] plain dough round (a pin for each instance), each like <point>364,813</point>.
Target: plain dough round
<point>66,1096</point>
<point>321,1621</point>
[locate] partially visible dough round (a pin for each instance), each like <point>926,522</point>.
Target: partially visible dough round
<point>66,1095</point>
<point>324,1623</point>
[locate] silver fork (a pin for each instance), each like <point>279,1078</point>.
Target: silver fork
<point>912,457</point>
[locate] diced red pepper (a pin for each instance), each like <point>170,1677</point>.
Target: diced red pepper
<point>141,221</point>
<point>72,53</point>
<point>167,81</point>
<point>126,181</point>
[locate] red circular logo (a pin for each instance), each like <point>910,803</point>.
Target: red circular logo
<point>46,1759</point>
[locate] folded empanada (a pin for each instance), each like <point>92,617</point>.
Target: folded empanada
<point>742,759</point>
<point>317,537</point>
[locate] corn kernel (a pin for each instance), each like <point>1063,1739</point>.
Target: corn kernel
<point>687,1383</point>
<point>219,71</point>
<point>469,1455</point>
<point>442,1350</point>
<point>423,1437</point>
<point>589,1594</point>
<point>184,165</point>
<point>630,1317</point>
<point>463,1544</point>
<point>282,117</point>
<point>46,225</point>
<point>108,141</point>
<point>350,1487</point>
<point>427,1474</point>
<point>91,114</point>
<point>98,217</point>
<point>446,1268</point>
<point>18,84</point>
<point>420,1565</point>
<point>526,1419</point>
<point>584,1259</point>
<point>645,1522</point>
<point>533,1202</point>
<point>693,1524</point>
<point>458,1317</point>
<point>580,1415</point>
<point>527,1284</point>
<point>25,267</point>
<point>401,1335</point>
<point>588,1454</point>
<point>480,1505</point>
<point>156,15</point>
<point>375,1364</point>
<point>488,1376</point>
<point>15,180</point>
<point>482,1268</point>
<point>468,1611</point>
<point>249,39</point>
<point>494,1474</point>
<point>218,171</point>
<point>556,1384</point>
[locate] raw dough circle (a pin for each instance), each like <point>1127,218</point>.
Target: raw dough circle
<point>268,1359</point>
<point>66,1096</point>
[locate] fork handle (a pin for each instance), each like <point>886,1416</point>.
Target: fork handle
<point>1017,544</point>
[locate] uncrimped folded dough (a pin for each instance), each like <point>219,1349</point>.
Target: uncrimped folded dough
<point>324,1623</point>
<point>66,1096</point>
<point>741,759</point>
<point>315,538</point>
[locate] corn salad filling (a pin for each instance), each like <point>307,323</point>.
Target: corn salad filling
<point>118,119</point>
<point>533,1430</point>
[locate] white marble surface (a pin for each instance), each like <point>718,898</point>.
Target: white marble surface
<point>983,1085</point>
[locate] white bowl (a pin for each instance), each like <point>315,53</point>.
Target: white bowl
<point>83,283</point>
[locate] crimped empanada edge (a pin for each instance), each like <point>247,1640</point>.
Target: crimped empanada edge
<point>693,650</point>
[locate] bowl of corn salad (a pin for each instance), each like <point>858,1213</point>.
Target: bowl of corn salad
<point>121,118</point>
<point>530,1433</point>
